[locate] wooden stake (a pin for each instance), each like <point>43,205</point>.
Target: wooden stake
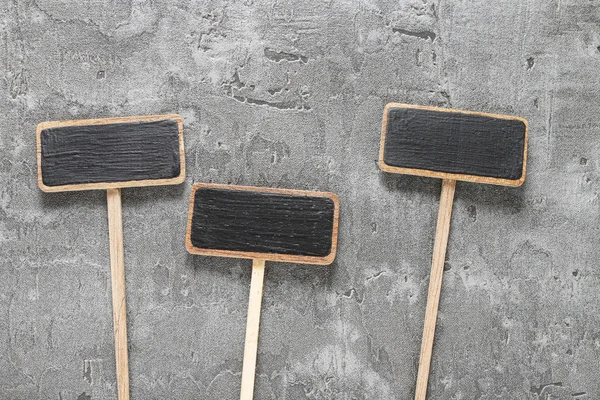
<point>252,326</point>
<point>435,284</point>
<point>117,274</point>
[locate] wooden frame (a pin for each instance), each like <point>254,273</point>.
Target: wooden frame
<point>446,175</point>
<point>110,185</point>
<point>328,259</point>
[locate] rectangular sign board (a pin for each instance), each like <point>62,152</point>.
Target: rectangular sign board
<point>453,144</point>
<point>110,153</point>
<point>263,223</point>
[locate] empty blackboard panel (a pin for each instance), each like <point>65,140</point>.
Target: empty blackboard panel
<point>455,144</point>
<point>96,152</point>
<point>249,221</point>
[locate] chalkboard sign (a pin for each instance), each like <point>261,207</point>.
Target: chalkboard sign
<point>263,223</point>
<point>453,144</point>
<point>110,153</point>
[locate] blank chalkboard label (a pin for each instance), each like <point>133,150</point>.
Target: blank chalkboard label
<point>453,144</point>
<point>110,153</point>
<point>263,223</point>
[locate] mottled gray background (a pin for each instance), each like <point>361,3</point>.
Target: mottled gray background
<point>290,94</point>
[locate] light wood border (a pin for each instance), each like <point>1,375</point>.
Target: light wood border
<point>325,260</point>
<point>445,175</point>
<point>109,185</point>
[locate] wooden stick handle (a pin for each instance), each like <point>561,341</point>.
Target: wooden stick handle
<point>117,275</point>
<point>252,326</point>
<point>435,285</point>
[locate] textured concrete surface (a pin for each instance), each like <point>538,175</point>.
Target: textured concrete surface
<point>290,94</point>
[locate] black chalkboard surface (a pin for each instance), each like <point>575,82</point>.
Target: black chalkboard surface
<point>453,144</point>
<point>264,223</point>
<point>110,153</point>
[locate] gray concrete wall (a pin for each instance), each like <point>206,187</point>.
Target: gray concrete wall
<point>290,94</point>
